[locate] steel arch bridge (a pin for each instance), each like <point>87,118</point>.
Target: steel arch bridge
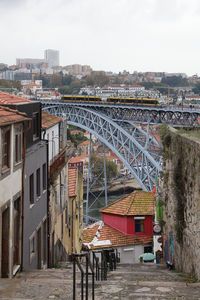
<point>135,148</point>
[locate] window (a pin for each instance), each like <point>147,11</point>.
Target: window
<point>139,225</point>
<point>44,176</point>
<point>62,226</point>
<point>6,148</point>
<point>35,125</point>
<point>18,144</point>
<point>38,182</point>
<point>31,188</point>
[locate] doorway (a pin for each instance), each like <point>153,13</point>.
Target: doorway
<point>39,252</point>
<point>17,232</point>
<point>5,242</point>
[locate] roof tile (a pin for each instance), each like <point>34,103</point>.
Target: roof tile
<point>107,236</point>
<point>49,120</point>
<point>137,203</point>
<point>9,116</point>
<point>6,98</point>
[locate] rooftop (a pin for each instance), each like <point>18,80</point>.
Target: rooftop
<point>6,98</point>
<point>49,120</point>
<point>137,203</point>
<point>9,116</point>
<point>74,160</point>
<point>100,235</point>
<point>85,143</point>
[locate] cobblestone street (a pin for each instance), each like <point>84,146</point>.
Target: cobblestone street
<point>138,281</point>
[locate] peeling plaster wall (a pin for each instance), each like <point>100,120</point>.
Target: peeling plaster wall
<point>181,195</point>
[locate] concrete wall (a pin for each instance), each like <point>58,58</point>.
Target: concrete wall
<point>181,190</point>
<point>34,214</point>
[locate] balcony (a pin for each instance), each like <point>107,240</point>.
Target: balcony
<point>58,162</point>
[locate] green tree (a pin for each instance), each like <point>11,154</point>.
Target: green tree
<point>98,163</point>
<point>76,139</point>
<point>175,81</point>
<point>196,88</point>
<point>97,78</point>
<point>56,81</point>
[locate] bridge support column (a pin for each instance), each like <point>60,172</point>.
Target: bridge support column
<point>89,178</point>
<point>105,175</point>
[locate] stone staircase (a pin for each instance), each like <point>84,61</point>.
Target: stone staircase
<point>138,281</point>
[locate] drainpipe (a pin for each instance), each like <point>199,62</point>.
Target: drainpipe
<point>23,169</point>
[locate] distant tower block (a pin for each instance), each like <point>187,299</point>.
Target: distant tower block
<point>52,57</point>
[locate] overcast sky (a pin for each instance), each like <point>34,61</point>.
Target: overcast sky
<point>110,35</point>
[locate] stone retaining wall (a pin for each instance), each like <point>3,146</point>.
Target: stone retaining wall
<point>181,197</point>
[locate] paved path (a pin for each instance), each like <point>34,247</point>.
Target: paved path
<point>138,281</point>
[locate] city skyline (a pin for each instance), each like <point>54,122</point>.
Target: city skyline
<point>147,35</point>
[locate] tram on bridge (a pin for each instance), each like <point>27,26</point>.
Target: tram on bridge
<point>112,100</point>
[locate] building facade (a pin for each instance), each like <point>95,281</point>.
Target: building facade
<point>51,57</point>
<point>11,187</point>
<point>34,184</point>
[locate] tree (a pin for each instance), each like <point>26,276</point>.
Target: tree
<point>97,78</point>
<point>175,81</point>
<point>98,163</point>
<point>196,88</point>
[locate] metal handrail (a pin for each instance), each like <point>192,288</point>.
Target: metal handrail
<point>86,273</point>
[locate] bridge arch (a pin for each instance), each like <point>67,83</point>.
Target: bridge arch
<point>134,156</point>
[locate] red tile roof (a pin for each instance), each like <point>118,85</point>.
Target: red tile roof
<point>49,120</point>
<point>6,98</point>
<point>72,182</point>
<point>137,203</point>
<point>9,116</point>
<point>85,143</point>
<point>74,160</point>
<point>100,235</point>
<point>74,132</point>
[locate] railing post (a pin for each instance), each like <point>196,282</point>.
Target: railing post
<point>82,286</point>
<point>115,260</point>
<point>93,284</point>
<point>74,277</point>
<point>86,283</point>
<point>97,269</point>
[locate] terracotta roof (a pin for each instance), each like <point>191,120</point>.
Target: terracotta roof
<point>8,116</point>
<point>74,160</point>
<point>85,143</point>
<point>100,235</point>
<point>137,203</point>
<point>74,132</point>
<point>72,182</point>
<point>83,156</point>
<point>6,98</point>
<point>49,120</point>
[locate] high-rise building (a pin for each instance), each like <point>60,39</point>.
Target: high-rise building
<point>52,57</point>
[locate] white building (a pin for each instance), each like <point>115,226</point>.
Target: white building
<point>52,57</point>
